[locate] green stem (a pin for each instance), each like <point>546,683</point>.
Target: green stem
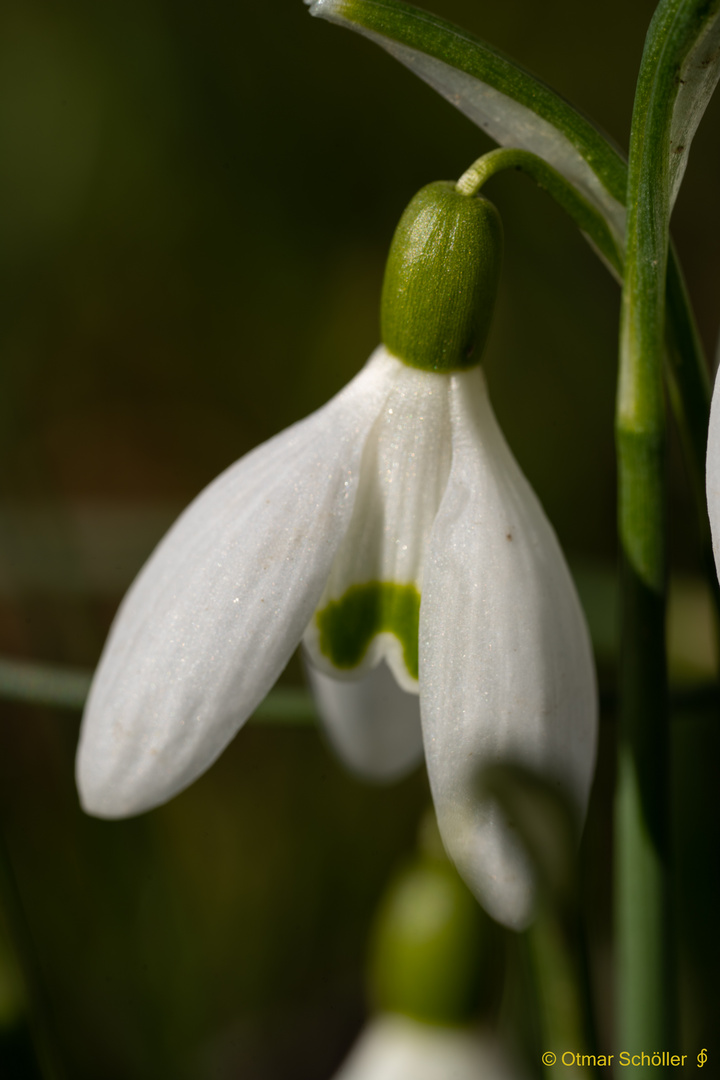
<point>642,907</point>
<point>566,1015</point>
<point>644,1001</point>
<point>642,889</point>
<point>678,74</point>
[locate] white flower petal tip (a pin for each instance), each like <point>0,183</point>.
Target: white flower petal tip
<point>371,723</point>
<point>507,671</point>
<point>219,607</point>
<point>713,473</point>
<point>397,1048</point>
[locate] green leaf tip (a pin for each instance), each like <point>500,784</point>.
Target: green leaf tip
<point>441,279</point>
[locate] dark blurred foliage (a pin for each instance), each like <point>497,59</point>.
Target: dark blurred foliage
<point>195,207</point>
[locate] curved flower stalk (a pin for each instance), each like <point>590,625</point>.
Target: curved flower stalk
<point>392,527</point>
<point>396,1047</point>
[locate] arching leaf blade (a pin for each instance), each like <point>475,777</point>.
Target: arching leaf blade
<point>507,102</point>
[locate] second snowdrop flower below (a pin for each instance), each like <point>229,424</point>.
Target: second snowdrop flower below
<point>400,1048</point>
<point>432,981</point>
<point>393,532</point>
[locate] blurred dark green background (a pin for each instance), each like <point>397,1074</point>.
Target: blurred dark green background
<point>195,206</point>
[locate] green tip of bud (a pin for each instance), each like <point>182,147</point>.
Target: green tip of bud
<point>441,279</point>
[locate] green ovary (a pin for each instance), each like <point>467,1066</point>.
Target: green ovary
<point>348,625</point>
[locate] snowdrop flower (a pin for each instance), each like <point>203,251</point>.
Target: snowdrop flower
<point>394,1047</point>
<point>392,532</point>
<point>432,974</point>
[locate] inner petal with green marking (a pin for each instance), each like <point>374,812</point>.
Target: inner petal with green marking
<point>348,625</point>
<point>370,608</point>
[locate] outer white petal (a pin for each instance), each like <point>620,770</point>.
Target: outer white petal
<point>398,1048</point>
<point>217,610</point>
<point>712,472</point>
<point>506,666</point>
<point>372,725</point>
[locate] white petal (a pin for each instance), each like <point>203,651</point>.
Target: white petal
<point>404,470</point>
<point>397,1048</point>
<point>372,725</point>
<point>506,666</point>
<point>712,472</point>
<point>217,610</point>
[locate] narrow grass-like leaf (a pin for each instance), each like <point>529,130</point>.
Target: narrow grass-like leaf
<point>67,688</point>
<point>512,106</point>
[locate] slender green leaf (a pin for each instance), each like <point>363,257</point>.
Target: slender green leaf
<point>67,688</point>
<point>44,684</point>
<point>512,106</point>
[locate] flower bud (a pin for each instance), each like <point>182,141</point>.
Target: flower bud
<point>441,279</point>
<point>431,954</point>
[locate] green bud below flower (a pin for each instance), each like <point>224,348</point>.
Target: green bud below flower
<point>432,954</point>
<point>441,279</point>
